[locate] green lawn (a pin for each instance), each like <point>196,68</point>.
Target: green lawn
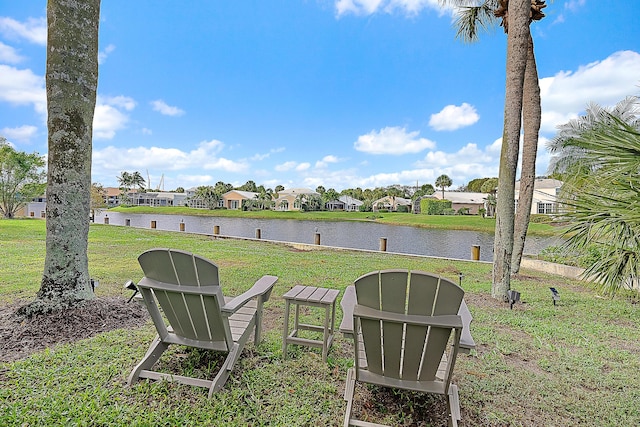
<point>575,364</point>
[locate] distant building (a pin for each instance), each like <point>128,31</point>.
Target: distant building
<point>289,200</point>
<point>463,199</point>
<point>344,203</point>
<point>233,199</point>
<point>391,203</point>
<point>545,195</point>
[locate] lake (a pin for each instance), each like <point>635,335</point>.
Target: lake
<point>345,234</point>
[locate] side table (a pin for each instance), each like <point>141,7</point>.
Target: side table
<point>314,297</point>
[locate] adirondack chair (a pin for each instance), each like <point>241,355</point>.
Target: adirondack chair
<point>187,289</point>
<point>407,334</point>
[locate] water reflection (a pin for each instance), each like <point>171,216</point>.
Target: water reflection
<point>346,234</point>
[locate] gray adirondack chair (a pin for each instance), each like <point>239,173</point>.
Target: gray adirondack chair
<point>187,289</point>
<point>407,334</point>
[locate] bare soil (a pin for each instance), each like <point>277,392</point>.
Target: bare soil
<point>20,337</point>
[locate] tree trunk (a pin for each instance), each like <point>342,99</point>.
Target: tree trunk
<point>531,116</point>
<point>517,42</point>
<point>71,81</point>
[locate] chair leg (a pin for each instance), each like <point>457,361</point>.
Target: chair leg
<point>453,401</point>
<point>225,370</point>
<point>349,388</point>
<point>156,349</point>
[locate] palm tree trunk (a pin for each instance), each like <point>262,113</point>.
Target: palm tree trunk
<point>517,43</point>
<point>71,81</point>
<point>532,116</point>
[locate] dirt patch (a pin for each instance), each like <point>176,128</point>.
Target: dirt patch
<point>21,337</point>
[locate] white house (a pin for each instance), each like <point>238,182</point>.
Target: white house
<point>545,195</point>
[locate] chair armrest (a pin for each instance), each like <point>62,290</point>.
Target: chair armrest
<point>347,303</point>
<point>445,321</point>
<point>262,288</point>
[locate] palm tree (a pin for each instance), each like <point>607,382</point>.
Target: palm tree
<point>567,156</point>
<point>520,97</point>
<point>601,197</point>
<point>71,82</point>
<point>137,180</point>
<point>443,181</point>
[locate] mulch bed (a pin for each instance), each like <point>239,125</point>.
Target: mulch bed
<point>21,337</point>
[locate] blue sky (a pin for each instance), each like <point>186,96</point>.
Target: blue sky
<point>301,93</point>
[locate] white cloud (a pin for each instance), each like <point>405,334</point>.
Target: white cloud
<point>22,133</point>
<point>205,156</point>
<point>286,166</point>
<point>34,29</point>
<point>146,131</point>
<point>102,55</point>
<point>109,117</point>
<point>165,109</point>
<point>9,54</point>
<point>604,82</point>
<point>295,166</point>
<point>263,156</point>
<point>369,7</point>
<point>392,140</point>
<point>22,87</point>
<point>454,117</point>
<point>574,5</point>
<point>119,101</point>
<point>326,160</point>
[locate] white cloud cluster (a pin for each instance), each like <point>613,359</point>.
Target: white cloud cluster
<point>392,140</point>
<point>605,82</point>
<point>293,166</point>
<point>33,30</point>
<point>163,108</point>
<point>9,54</point>
<point>205,156</point>
<point>103,54</point>
<point>110,115</point>
<point>21,133</point>
<point>22,87</point>
<point>454,117</point>
<point>369,7</point>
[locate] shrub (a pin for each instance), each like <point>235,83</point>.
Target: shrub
<point>540,218</point>
<point>402,208</point>
<point>482,212</point>
<point>448,211</point>
<point>434,206</point>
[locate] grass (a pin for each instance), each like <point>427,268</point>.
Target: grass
<point>575,364</point>
<point>450,222</point>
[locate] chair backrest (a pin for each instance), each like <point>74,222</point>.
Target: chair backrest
<point>187,289</point>
<point>399,348</point>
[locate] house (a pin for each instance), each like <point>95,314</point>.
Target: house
<point>111,196</point>
<point>344,203</point>
<point>463,199</point>
<point>391,203</point>
<point>37,208</point>
<point>157,198</point>
<point>195,202</point>
<point>289,200</point>
<point>545,195</point>
<point>233,199</point>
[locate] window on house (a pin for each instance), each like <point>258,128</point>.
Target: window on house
<point>546,208</point>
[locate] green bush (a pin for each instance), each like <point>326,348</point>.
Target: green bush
<point>463,211</point>
<point>482,212</point>
<point>541,218</point>
<point>448,211</point>
<point>561,255</point>
<point>402,208</point>
<point>434,206</point>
